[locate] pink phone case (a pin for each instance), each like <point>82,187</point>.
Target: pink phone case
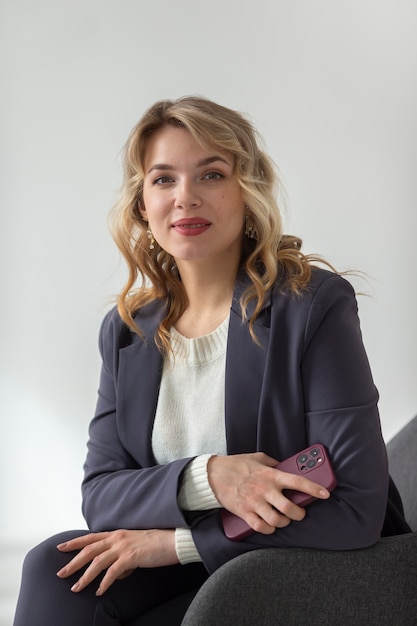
<point>312,462</point>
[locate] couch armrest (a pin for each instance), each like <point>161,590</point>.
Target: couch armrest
<point>402,454</point>
<point>373,586</point>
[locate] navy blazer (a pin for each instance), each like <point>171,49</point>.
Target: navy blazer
<point>308,381</point>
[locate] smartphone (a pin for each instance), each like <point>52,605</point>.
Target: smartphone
<point>312,462</point>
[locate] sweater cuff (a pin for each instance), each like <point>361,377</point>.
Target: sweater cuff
<point>196,493</point>
<point>185,547</point>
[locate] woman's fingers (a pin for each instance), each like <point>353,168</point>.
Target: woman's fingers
<point>103,562</point>
<point>88,552</point>
<point>112,574</point>
<point>80,542</point>
<point>267,522</point>
<point>101,556</point>
<point>285,481</point>
<point>300,483</point>
<point>100,563</point>
<point>278,510</point>
<point>117,553</point>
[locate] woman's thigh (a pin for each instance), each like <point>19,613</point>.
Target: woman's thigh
<point>46,600</point>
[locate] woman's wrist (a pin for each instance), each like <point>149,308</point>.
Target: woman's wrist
<point>196,493</point>
<point>185,547</point>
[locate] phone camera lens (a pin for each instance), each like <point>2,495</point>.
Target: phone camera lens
<point>303,458</point>
<point>314,452</point>
<point>311,463</point>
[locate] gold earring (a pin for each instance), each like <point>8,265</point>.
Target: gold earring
<point>250,230</point>
<point>151,239</point>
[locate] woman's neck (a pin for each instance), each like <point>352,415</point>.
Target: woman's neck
<point>210,294</point>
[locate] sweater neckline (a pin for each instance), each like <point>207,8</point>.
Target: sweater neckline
<point>200,350</point>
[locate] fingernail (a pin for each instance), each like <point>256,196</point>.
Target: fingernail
<point>324,493</point>
<point>98,592</point>
<point>60,546</point>
<point>61,572</point>
<point>75,587</point>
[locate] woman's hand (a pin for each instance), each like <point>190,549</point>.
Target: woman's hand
<point>250,487</point>
<point>118,552</point>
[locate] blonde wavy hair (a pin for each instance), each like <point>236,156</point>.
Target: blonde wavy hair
<point>152,272</point>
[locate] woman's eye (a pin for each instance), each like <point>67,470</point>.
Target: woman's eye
<point>161,180</point>
<point>213,176</point>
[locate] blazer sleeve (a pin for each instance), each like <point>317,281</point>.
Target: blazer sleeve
<point>339,398</point>
<point>119,490</point>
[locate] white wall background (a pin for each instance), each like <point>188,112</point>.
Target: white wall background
<point>332,86</point>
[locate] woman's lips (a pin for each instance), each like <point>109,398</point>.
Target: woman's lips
<point>191,227</point>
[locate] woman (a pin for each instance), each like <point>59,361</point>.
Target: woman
<point>228,352</point>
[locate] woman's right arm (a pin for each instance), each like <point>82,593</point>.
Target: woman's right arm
<point>120,491</point>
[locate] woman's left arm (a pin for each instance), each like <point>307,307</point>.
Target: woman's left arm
<point>340,412</point>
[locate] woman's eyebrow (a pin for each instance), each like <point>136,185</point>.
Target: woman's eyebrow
<point>160,166</point>
<point>212,159</point>
<point>201,163</point>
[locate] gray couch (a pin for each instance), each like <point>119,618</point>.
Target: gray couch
<point>375,586</point>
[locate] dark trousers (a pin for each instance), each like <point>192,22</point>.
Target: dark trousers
<point>148,596</point>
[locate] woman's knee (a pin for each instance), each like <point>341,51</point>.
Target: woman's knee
<point>46,557</point>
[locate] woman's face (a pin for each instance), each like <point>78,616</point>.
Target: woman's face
<point>192,199</point>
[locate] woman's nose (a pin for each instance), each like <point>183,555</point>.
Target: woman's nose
<point>187,195</point>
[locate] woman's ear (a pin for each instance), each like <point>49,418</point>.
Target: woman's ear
<point>141,210</point>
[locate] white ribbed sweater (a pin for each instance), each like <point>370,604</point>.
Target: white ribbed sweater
<point>189,420</point>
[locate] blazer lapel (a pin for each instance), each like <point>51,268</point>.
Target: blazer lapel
<point>245,365</point>
<point>140,370</point>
